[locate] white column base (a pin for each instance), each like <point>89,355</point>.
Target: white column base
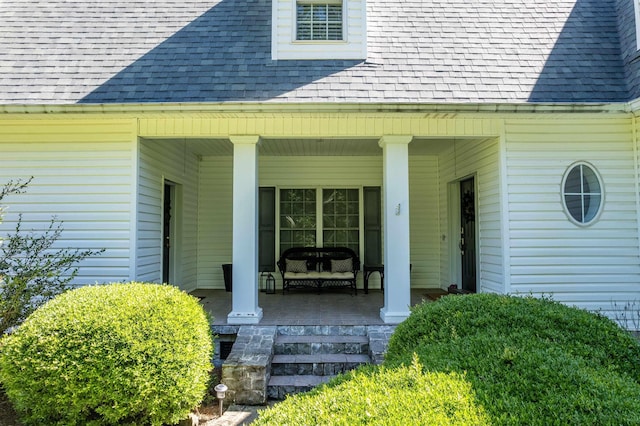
<point>393,317</point>
<point>241,318</point>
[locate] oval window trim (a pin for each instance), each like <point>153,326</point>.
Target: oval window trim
<point>579,195</point>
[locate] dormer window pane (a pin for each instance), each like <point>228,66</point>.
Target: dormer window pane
<point>319,13</point>
<point>319,20</point>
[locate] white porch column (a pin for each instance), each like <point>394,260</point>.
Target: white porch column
<point>245,309</point>
<point>397,292</point>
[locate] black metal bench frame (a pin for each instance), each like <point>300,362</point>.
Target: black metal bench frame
<point>318,262</point>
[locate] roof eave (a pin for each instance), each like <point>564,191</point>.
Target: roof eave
<point>275,107</point>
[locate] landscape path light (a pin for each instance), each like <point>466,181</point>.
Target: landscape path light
<point>221,390</point>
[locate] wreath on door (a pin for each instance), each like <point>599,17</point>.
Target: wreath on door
<point>468,206</point>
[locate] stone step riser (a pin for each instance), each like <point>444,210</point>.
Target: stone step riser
<point>305,356</point>
<point>315,369</point>
<point>322,330</point>
<point>279,393</point>
<point>321,348</point>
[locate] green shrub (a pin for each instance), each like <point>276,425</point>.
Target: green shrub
<point>381,396</point>
<point>529,361</point>
<point>32,269</point>
<point>110,354</point>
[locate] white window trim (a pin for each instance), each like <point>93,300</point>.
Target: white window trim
<point>596,217</point>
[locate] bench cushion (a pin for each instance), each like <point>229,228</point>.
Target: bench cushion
<point>311,275</point>
<point>341,265</point>
<point>337,275</point>
<point>294,265</point>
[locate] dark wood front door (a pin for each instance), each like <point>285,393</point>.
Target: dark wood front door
<point>468,234</point>
<point>166,234</point>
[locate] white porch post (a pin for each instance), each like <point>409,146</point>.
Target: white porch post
<point>245,309</point>
<point>397,292</point>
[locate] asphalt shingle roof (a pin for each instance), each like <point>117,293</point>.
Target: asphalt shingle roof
<point>429,51</point>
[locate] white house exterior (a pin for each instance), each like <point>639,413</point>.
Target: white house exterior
<point>146,121</point>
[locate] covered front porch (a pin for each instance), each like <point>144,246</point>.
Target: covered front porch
<point>385,187</point>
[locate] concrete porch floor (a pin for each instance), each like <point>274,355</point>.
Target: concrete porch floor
<point>307,307</point>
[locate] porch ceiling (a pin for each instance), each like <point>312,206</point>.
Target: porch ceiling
<point>316,147</point>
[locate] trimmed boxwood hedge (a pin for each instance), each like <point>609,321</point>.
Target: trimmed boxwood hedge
<point>486,360</point>
<point>109,354</point>
<point>529,360</point>
<point>381,396</point>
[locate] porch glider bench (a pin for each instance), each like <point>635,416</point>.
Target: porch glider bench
<point>319,267</point>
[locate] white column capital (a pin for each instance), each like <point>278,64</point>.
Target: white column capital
<point>395,140</point>
<point>244,139</point>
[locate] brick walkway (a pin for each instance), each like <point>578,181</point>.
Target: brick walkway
<point>305,307</point>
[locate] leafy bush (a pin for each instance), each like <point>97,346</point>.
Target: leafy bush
<point>111,354</point>
<point>529,361</point>
<point>382,396</point>
<point>31,270</point>
<point>628,315</point>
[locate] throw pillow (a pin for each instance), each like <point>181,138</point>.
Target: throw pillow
<point>296,265</point>
<point>341,265</point>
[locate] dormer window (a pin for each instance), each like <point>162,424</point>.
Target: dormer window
<point>319,29</point>
<point>318,20</point>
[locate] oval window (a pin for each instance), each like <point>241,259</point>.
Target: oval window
<point>582,193</point>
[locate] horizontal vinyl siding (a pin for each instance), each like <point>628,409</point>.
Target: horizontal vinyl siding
<point>592,266</point>
<point>168,160</point>
<point>82,175</point>
<point>215,218</point>
<point>424,221</point>
<point>480,159</point>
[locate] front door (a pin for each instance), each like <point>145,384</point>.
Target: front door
<point>468,234</point>
<point>166,234</point>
